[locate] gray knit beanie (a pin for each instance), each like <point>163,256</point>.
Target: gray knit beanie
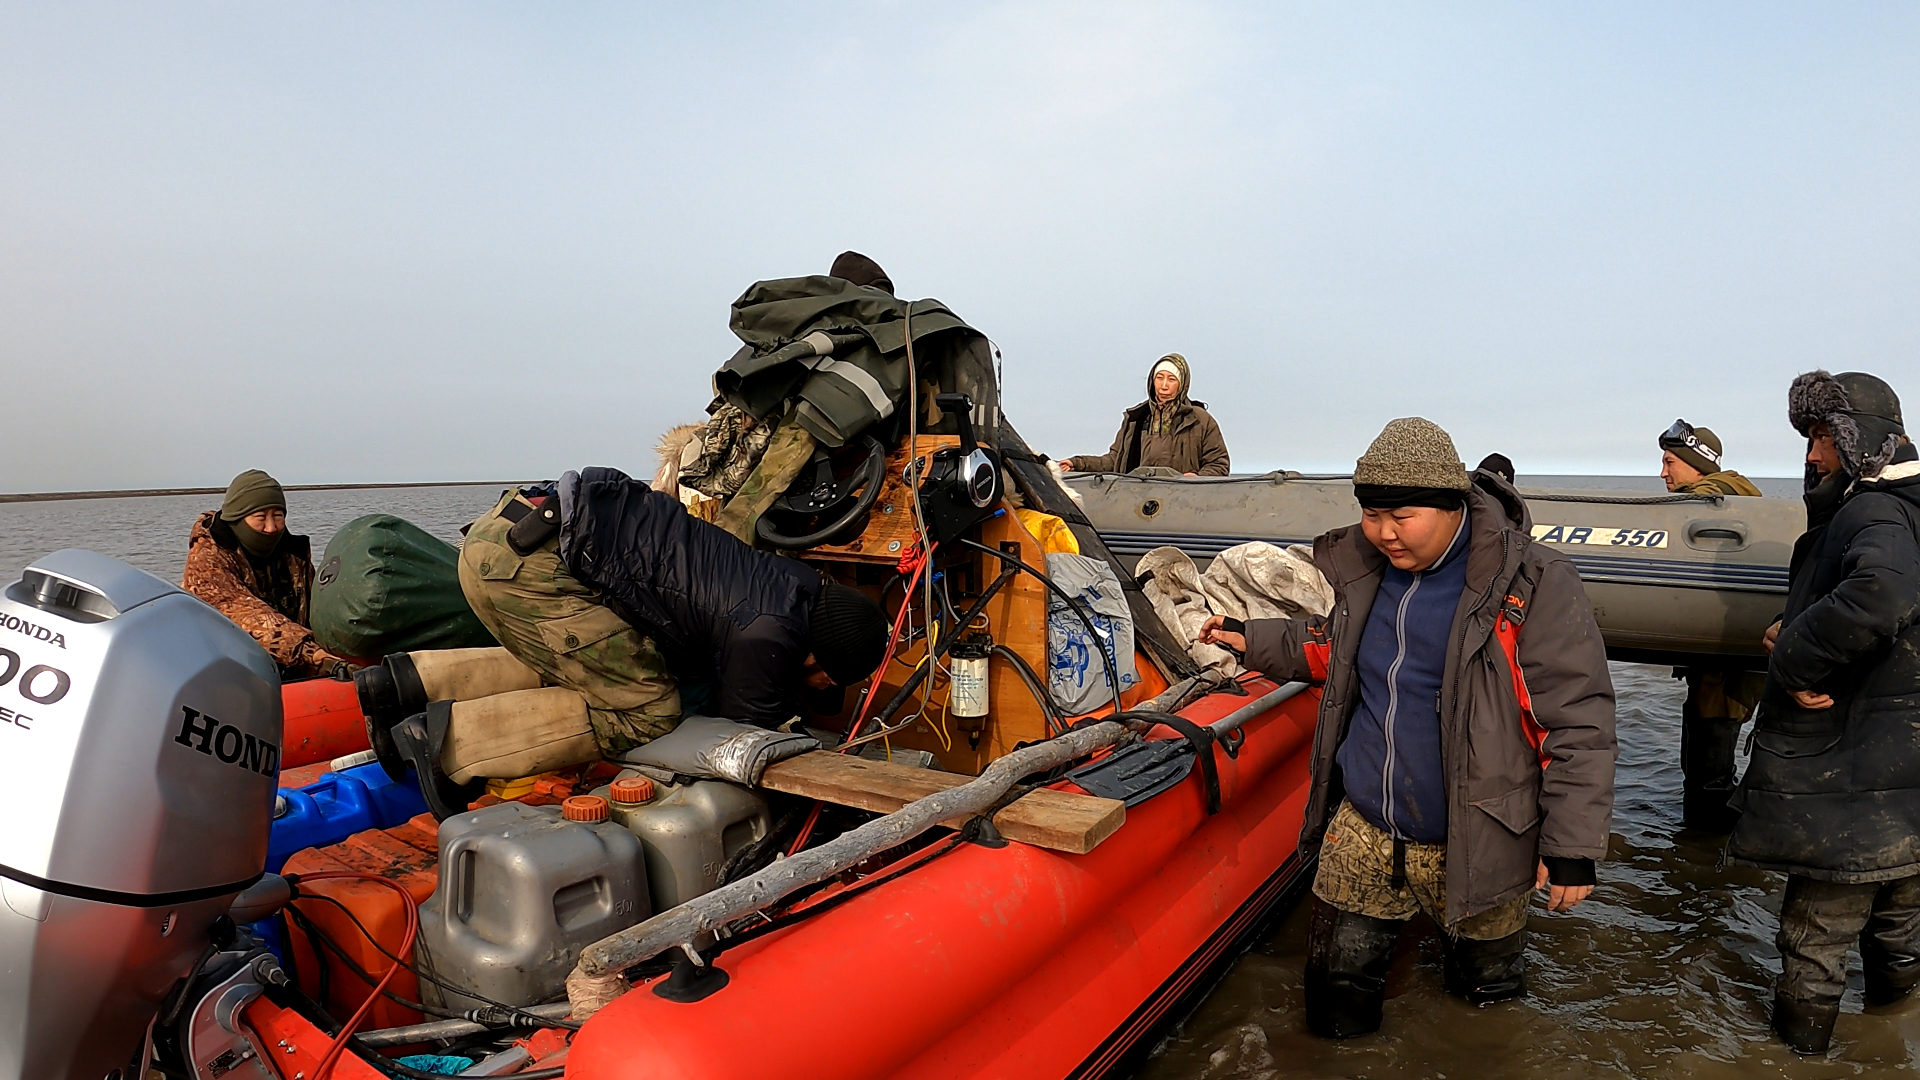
<point>1412,452</point>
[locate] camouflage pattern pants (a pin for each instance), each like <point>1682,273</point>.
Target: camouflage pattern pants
<point>555,624</point>
<point>1356,875</point>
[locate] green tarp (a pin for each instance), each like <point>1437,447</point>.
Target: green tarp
<point>385,586</point>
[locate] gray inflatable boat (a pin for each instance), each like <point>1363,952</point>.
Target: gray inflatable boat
<point>1673,578</point>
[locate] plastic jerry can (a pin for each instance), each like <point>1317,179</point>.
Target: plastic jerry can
<point>522,890</point>
<point>689,831</point>
<point>324,812</point>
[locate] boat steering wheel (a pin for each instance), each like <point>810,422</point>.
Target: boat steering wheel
<point>819,497</point>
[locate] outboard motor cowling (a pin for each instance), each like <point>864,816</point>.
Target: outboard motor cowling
<point>139,752</point>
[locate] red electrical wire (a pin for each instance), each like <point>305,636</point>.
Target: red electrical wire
<point>914,561</point>
<point>412,909</point>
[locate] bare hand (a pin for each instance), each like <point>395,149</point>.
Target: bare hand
<point>1189,474</point>
<point>1560,897</point>
<point>1768,639</point>
<point>1212,634</point>
<point>1065,463</point>
<point>1810,700</point>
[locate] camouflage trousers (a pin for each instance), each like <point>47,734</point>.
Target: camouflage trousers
<point>554,623</point>
<point>1356,875</point>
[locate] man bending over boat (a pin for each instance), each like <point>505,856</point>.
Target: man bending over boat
<point>242,562</point>
<point>1169,430</point>
<point>1720,697</point>
<point>611,589</point>
<point>1465,747</point>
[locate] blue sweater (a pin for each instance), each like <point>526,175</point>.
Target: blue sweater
<point>1390,761</point>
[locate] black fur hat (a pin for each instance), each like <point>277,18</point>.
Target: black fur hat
<point>1862,411</point>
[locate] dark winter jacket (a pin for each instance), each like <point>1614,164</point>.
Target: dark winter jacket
<point>1835,793</point>
<point>1180,435</point>
<point>717,608</point>
<point>1504,810</point>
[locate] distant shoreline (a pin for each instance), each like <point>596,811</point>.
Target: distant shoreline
<point>142,493</point>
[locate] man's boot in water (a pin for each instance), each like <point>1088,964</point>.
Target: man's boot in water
<point>1484,972</point>
<point>1707,746</point>
<point>1347,958</point>
<point>1806,1027</point>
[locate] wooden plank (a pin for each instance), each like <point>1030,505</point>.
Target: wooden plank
<point>1055,820</point>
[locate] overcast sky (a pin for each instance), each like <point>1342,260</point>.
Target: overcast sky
<point>375,242</point>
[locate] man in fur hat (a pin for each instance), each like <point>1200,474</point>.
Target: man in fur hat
<point>1831,796</point>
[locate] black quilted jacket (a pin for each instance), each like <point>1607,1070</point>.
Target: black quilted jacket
<point>717,609</point>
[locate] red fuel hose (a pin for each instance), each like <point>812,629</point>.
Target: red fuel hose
<point>325,1068</point>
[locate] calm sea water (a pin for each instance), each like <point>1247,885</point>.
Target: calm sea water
<point>1665,972</point>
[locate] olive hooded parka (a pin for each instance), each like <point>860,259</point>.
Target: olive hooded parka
<point>1504,810</point>
<point>1179,435</point>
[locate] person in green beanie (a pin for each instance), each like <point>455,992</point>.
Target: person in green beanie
<point>242,562</point>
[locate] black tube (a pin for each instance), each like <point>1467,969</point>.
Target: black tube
<point>1056,721</point>
<point>1093,635</point>
<point>899,699</point>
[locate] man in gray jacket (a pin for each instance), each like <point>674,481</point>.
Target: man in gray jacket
<point>1465,748</point>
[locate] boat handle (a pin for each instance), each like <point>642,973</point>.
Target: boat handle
<point>1717,532</point>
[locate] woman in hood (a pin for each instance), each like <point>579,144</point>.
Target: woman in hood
<point>1169,430</point>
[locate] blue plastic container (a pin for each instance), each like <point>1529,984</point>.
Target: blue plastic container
<point>331,809</point>
<point>394,802</point>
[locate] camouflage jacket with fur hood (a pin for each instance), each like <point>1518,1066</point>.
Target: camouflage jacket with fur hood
<point>219,574</point>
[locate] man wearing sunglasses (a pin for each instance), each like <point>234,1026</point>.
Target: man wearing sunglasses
<point>1719,697</point>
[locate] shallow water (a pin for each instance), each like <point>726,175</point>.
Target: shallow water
<point>1665,972</point>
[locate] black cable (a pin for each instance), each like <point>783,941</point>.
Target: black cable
<point>1093,635</point>
<point>290,996</point>
<point>511,1010</point>
<point>1056,719</point>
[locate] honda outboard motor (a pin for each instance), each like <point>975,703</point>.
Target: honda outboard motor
<point>139,750</point>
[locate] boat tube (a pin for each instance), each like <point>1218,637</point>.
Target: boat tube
<point>1673,577</point>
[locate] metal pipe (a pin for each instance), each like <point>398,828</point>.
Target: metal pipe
<point>1255,707</point>
<point>453,1029</point>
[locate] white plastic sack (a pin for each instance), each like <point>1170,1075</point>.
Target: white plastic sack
<point>1255,580</point>
<point>1179,597</point>
<point>1076,674</point>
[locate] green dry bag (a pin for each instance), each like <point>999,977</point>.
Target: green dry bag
<point>385,586</point>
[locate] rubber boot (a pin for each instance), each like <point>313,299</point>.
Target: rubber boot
<point>1347,959</point>
<point>1891,977</point>
<point>1707,745</point>
<point>1805,1027</point>
<point>1484,972</point>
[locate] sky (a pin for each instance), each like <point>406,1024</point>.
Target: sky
<point>356,242</point>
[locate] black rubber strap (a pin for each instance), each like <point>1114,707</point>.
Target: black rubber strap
<point>1202,740</point>
<point>1399,879</point>
<point>127,899</point>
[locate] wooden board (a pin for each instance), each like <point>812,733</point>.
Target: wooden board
<point>1056,820</point>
